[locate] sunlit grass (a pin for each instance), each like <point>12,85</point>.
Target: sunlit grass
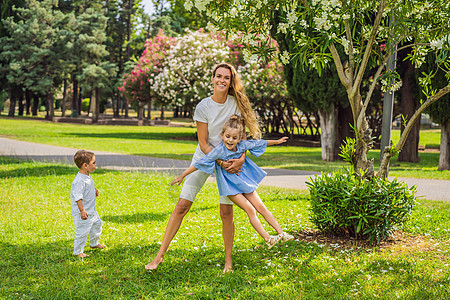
<point>36,239</point>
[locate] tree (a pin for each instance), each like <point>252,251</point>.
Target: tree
<point>440,111</point>
<point>7,11</point>
<point>136,84</point>
<point>186,75</point>
<point>320,27</point>
<point>35,49</point>
<point>95,69</point>
<point>321,94</point>
<point>409,103</point>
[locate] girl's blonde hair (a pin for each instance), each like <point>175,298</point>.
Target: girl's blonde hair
<point>235,122</point>
<point>237,91</point>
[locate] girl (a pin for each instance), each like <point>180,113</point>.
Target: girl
<point>210,114</point>
<point>240,189</point>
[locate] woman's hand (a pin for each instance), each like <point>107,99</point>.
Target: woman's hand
<point>234,166</point>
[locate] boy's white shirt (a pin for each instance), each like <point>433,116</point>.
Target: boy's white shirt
<point>83,188</point>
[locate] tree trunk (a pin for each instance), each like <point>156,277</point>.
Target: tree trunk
<point>97,105</point>
<point>117,108</point>
<point>50,107</point>
<point>328,124</point>
<point>74,113</point>
<point>79,100</point>
<point>345,120</point>
<point>364,142</point>
<point>149,110</point>
<point>21,104</point>
<point>162,112</point>
<point>63,103</point>
<point>141,111</point>
<point>91,101</point>
<point>408,105</point>
<point>12,103</point>
<point>35,108</point>
<point>444,156</point>
<point>27,102</point>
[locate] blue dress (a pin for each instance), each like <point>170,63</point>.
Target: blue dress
<point>231,184</point>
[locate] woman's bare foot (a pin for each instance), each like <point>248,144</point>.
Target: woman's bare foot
<point>228,267</point>
<point>82,255</point>
<point>99,246</point>
<point>154,264</point>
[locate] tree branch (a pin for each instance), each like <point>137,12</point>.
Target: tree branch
<point>371,89</point>
<point>368,50</point>
<point>339,67</point>
<point>417,115</point>
<point>387,154</point>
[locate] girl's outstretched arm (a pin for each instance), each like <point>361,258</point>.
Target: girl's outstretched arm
<point>180,178</point>
<point>277,142</point>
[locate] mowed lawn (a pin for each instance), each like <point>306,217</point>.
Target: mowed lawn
<point>180,143</point>
<point>36,239</point>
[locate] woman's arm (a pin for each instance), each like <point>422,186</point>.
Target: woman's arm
<point>234,165</point>
<point>202,134</point>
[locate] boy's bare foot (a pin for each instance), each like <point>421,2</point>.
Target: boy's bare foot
<point>228,267</point>
<point>154,264</point>
<point>82,255</point>
<point>99,246</point>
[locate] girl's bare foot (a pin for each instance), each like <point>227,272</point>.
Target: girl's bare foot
<point>154,264</point>
<point>228,268</point>
<point>82,255</point>
<point>99,246</point>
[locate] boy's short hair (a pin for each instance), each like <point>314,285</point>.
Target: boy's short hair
<point>82,157</point>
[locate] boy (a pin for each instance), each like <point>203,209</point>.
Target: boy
<point>82,202</point>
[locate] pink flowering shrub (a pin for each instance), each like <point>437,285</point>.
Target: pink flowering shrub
<point>136,84</point>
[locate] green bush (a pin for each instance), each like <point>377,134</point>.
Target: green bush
<point>343,204</point>
<point>85,104</point>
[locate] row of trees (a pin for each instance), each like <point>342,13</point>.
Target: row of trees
<point>80,47</point>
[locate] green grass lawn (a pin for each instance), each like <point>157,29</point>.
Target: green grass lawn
<point>36,240</point>
<point>179,143</point>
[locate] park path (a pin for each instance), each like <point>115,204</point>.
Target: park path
<point>427,188</point>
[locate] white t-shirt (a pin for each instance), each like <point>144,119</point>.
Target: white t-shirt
<point>215,115</point>
<point>82,188</point>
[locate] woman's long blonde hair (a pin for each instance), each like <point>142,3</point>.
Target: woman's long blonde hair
<point>237,91</point>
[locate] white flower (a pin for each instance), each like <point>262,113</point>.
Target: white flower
<point>436,44</point>
<point>285,57</point>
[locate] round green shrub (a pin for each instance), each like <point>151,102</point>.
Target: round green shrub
<point>85,104</point>
<point>343,204</point>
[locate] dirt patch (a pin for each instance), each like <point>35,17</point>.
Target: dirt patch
<point>398,239</point>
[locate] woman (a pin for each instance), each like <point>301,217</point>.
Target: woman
<point>210,114</point>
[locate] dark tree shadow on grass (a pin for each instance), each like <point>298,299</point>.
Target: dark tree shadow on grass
<point>40,171</point>
<point>175,137</point>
